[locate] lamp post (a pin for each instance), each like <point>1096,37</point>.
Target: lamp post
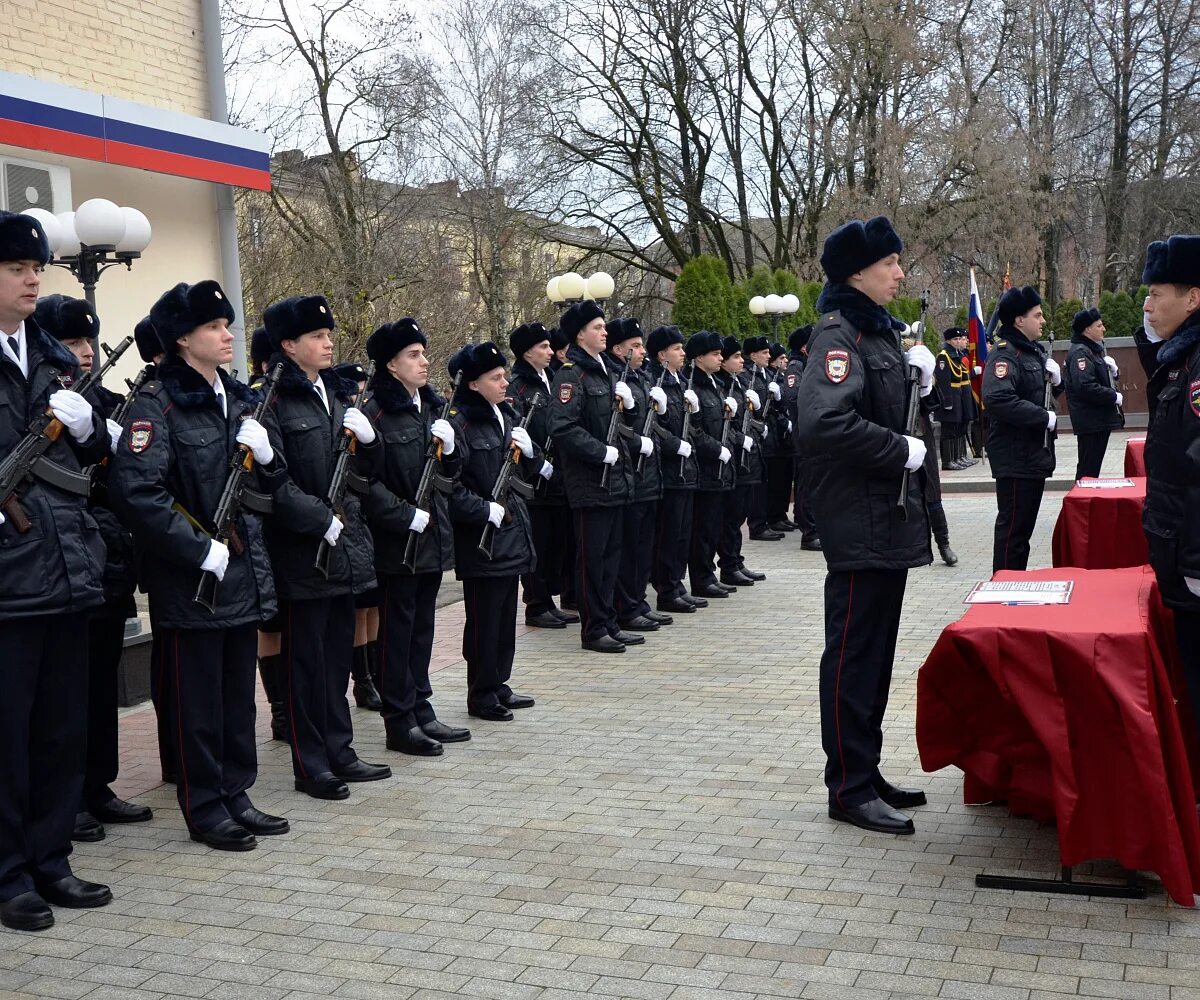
<point>565,290</point>
<point>775,307</point>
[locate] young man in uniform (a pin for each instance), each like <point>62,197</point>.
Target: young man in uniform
<point>779,453</point>
<point>801,511</point>
<point>746,465</point>
<point>756,354</point>
<point>1092,397</point>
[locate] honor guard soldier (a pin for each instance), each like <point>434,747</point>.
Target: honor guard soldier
<point>321,556</point>
<point>74,324</point>
<point>756,354</point>
<point>1019,386</point>
<point>166,481</point>
<point>801,511</point>
<point>559,342</point>
<point>260,354</point>
<point>711,427</point>
<point>597,474</point>
<point>548,512</point>
<point>952,375</point>
<point>673,527</point>
<point>867,498</point>
<point>493,541</point>
<point>1092,397</point>
<point>51,566</point>
<point>779,452</point>
<point>414,538</point>
<point>744,442</point>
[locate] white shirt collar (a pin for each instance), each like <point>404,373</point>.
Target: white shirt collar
<point>499,417</point>
<point>22,355</point>
<point>417,400</point>
<point>319,386</point>
<point>219,388</point>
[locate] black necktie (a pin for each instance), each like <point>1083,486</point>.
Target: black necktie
<point>14,345</point>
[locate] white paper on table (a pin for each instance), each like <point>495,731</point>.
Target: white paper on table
<point>1021,592</point>
<point>1104,484</point>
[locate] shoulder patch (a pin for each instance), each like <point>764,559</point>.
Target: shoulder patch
<point>566,392</point>
<point>1081,363</point>
<point>141,434</point>
<point>791,380</point>
<point>1001,369</point>
<point>1194,396</point>
<point>837,365</point>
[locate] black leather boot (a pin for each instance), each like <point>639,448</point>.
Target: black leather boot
<point>941,535</point>
<point>365,695</point>
<point>269,669</point>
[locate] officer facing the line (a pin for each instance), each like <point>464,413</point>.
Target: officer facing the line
<point>1092,397</point>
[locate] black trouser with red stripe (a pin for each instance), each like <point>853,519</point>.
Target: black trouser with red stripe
<point>672,542</point>
<point>862,619</point>
<point>211,680</point>
<point>163,697</point>
<point>551,529</point>
<point>637,555</point>
<point>406,616</point>
<point>489,638</point>
<point>598,534</point>
<point>106,643</point>
<point>1017,503</point>
<point>706,532</point>
<point>315,646</point>
<point>733,516</point>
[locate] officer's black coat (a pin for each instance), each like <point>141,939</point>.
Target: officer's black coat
<point>791,392</point>
<point>708,427</point>
<point>580,409</point>
<point>120,568</point>
<point>303,436</point>
<point>752,472</point>
<point>648,485</point>
<point>778,442</point>
<point>1171,515</point>
<point>177,449</point>
<point>1014,391</point>
<point>952,376</point>
<point>522,387</point>
<point>57,566</point>
<point>404,433</point>
<point>677,473</point>
<point>485,449</point>
<point>1091,399</point>
<point>850,421</point>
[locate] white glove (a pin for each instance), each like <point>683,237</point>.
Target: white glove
<point>748,443</point>
<point>334,531</point>
<point>766,431</point>
<point>443,430</point>
<point>775,391</point>
<point>2,519</point>
<point>622,392</point>
<point>753,400</point>
<point>658,397</point>
<point>420,521</point>
<point>1120,399</point>
<point>114,434</point>
<point>356,422</point>
<point>1151,336</point>
<point>521,438</point>
<point>920,357</point>
<point>546,471</point>
<point>1112,366</point>
<point>789,427</point>
<point>495,513</point>
<point>731,405</point>
<point>1054,370</point>
<point>217,560</point>
<point>977,370</point>
<point>73,412</point>
<point>916,452</point>
<point>254,436</point>
<point>725,456</point>
<point>684,450</point>
<point>646,447</point>
<point>1051,420</point>
<point>610,455</point>
<point>692,400</point>
<point>1192,585</point>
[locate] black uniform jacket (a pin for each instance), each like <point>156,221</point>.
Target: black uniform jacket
<point>523,386</point>
<point>580,409</point>
<point>167,476</point>
<point>708,430</point>
<point>647,485</point>
<point>791,392</point>
<point>1171,515</point>
<point>404,433</point>
<point>746,470</point>
<point>677,473</point>
<point>303,435</point>
<point>485,448</point>
<point>850,419</point>
<point>1091,398</point>
<point>120,567</point>
<point>1014,392</point>
<point>952,376</point>
<point>57,565</point>
<point>778,442</point>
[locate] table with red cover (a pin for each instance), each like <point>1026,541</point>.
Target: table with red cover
<point>1135,457</point>
<point>1101,528</point>
<point>1068,713</point>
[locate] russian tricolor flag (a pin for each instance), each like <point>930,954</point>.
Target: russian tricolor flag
<point>978,337</point>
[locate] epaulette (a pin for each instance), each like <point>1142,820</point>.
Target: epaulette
<point>151,388</point>
<point>568,364</point>
<point>1000,343</point>
<point>258,383</point>
<point>453,411</point>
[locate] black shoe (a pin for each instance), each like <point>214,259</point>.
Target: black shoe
<point>811,543</point>
<point>966,463</point>
<point>360,770</point>
<point>948,555</point>
<point>784,526</point>
<point>225,836</point>
<point>26,912</point>
<point>438,730</point>
<point>736,579</point>
<point>753,574</point>
<point>262,824</point>
<point>605,644</point>
<point>416,743</point>
<point>662,619</point>
<point>695,602</point>
<point>87,829</point>
<point>566,617</point>
<point>73,893</point>
<point>899,798</point>
<point>281,730</point>
<point>365,695</point>
<point>629,638</point>
<point>712,590</point>
<point>639,624</point>
<point>493,713</point>
<point>677,606</point>
<point>516,701</point>
<point>766,536</point>
<point>728,588</point>
<point>323,786</point>
<point>547,619</point>
<point>951,467</point>
<point>568,606</point>
<point>170,778</point>
<point>874,815</point>
<point>119,811</point>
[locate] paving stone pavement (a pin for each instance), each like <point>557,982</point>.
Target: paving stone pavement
<point>654,829</point>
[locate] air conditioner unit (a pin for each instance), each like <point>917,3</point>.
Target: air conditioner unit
<point>29,184</point>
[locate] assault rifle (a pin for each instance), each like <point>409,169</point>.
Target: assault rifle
<point>118,416</point>
<point>648,423</point>
<point>687,422</point>
<point>1048,398</point>
<point>505,483</point>
<point>912,411</point>
<point>431,479</point>
<point>614,428</point>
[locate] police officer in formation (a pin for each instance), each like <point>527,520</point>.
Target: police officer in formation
<point>745,441</point>
<point>958,410</point>
<point>1093,399</point>
<point>779,451</point>
<point>801,510</point>
<point>755,377</point>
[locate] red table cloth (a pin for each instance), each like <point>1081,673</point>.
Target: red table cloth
<point>1067,712</point>
<point>1101,528</point>
<point>1135,457</point>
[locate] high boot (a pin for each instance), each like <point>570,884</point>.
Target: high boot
<point>941,534</point>
<point>365,695</point>
<point>947,449</point>
<point>268,669</point>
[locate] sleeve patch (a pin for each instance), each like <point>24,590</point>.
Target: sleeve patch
<point>1081,362</point>
<point>1194,396</point>
<point>566,392</point>
<point>141,433</point>
<point>792,380</point>
<point>837,365</point>
<point>1001,369</point>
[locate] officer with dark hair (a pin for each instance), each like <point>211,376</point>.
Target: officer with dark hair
<point>711,433</point>
<point>801,512</point>
<point>1093,400</point>
<point>747,469</point>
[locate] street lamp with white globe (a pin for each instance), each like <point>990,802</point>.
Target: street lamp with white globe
<point>565,290</point>
<point>774,307</point>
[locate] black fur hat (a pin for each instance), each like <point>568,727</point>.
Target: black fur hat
<point>798,338</point>
<point>579,316</point>
<point>1017,302</point>
<point>181,309</point>
<point>662,337</point>
<point>65,318</point>
<point>391,338</point>
<point>22,238</point>
<point>621,330</point>
<point>704,342</point>
<point>752,344</point>
<point>292,318</point>
<point>729,347</point>
<point>777,351</point>
<point>1083,319</point>
<point>525,336</point>
<point>260,346</point>
<point>352,371</point>
<point>479,359</point>
<point>951,332</point>
<point>146,341</point>
<point>856,245</point>
<point>1175,261</point>
<point>558,339</point>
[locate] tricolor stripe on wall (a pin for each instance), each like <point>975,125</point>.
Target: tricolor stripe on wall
<point>38,114</point>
